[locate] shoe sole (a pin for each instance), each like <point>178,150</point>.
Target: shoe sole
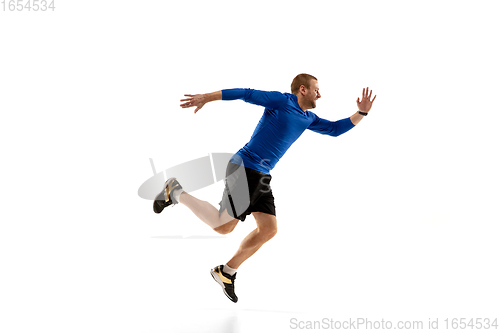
<point>219,281</point>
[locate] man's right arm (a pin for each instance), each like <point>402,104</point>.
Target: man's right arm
<point>200,100</point>
<point>269,99</point>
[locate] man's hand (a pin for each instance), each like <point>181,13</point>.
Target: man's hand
<point>194,100</point>
<point>365,105</point>
<point>200,99</point>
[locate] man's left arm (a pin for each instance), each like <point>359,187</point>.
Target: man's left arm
<point>336,128</point>
<point>332,128</point>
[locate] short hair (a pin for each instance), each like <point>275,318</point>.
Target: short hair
<point>301,79</point>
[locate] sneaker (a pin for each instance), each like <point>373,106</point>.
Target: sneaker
<point>165,197</point>
<point>226,281</point>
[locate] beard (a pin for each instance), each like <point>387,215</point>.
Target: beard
<point>313,104</point>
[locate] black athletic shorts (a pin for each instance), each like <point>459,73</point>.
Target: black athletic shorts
<point>246,191</point>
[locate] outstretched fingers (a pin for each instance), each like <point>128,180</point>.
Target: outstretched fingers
<point>188,101</point>
<point>365,92</point>
<point>368,96</point>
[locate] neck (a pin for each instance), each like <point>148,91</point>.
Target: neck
<point>302,103</point>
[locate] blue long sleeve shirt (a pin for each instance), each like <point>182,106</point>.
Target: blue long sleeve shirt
<point>279,127</point>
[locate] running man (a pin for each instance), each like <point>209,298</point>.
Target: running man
<point>247,183</point>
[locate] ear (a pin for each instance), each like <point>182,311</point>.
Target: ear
<point>303,89</point>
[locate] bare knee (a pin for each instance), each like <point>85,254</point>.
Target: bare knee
<point>227,227</point>
<point>223,229</point>
<point>268,233</point>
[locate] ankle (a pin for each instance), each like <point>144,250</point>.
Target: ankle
<point>178,194</point>
<point>228,270</point>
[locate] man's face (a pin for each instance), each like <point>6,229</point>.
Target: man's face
<point>312,94</point>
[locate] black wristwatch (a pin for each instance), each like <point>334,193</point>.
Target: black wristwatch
<point>363,113</point>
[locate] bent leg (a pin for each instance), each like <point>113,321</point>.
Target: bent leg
<point>209,214</point>
<point>267,227</point>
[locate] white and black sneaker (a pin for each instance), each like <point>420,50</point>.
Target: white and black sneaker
<point>226,281</point>
<point>165,198</point>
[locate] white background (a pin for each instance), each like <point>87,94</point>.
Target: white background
<point>395,220</point>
